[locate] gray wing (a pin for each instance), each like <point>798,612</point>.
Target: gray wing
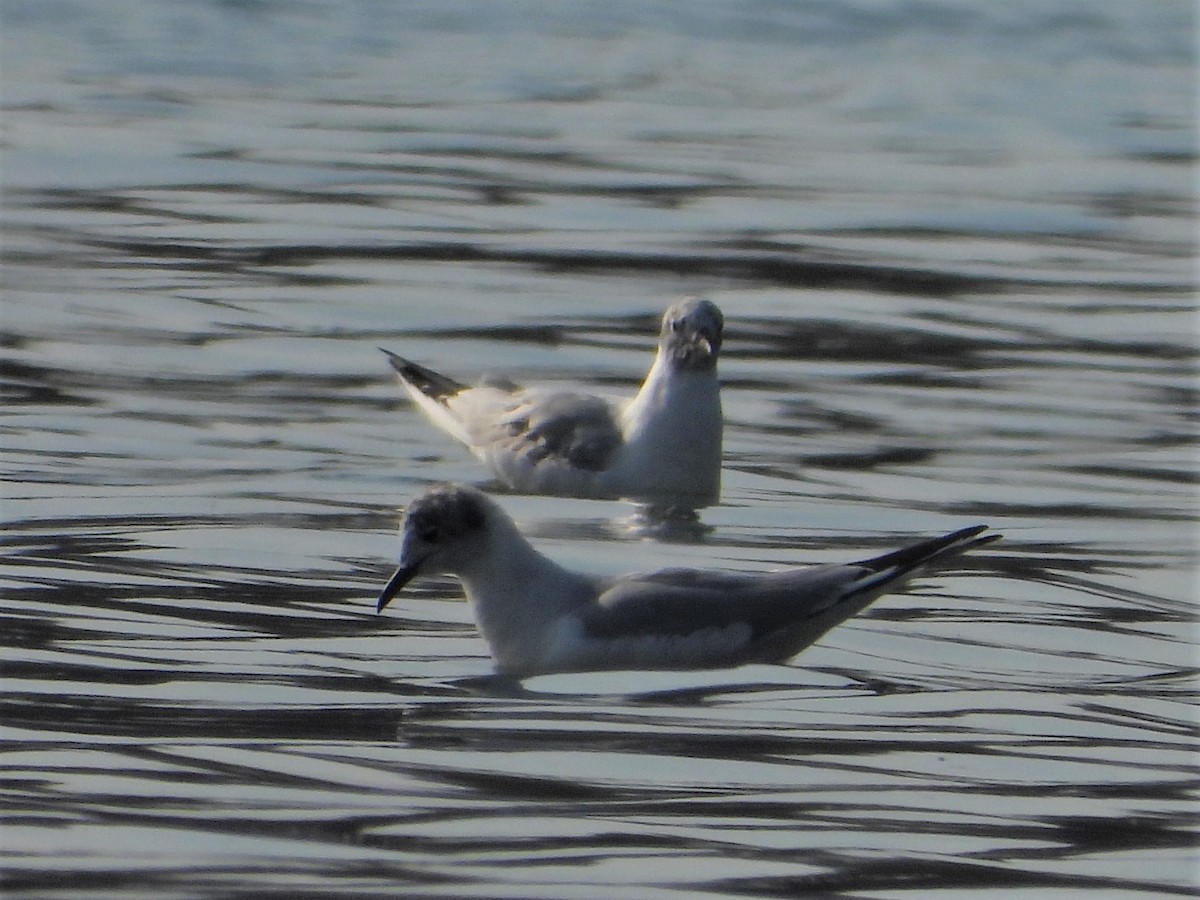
<point>765,618</point>
<point>760,617</point>
<point>577,429</point>
<point>522,433</point>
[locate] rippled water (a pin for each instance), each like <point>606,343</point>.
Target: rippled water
<point>954,243</point>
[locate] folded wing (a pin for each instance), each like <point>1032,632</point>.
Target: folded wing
<point>546,441</point>
<point>679,618</point>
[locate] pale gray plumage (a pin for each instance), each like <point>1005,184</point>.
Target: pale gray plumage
<point>661,446</point>
<point>539,617</point>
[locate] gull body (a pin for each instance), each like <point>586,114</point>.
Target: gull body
<point>662,446</point>
<point>539,617</point>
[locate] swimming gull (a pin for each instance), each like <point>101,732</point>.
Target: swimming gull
<point>538,617</point>
<point>662,446</point>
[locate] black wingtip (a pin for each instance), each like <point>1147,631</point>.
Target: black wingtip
<point>432,384</point>
<point>920,554</point>
<point>399,363</point>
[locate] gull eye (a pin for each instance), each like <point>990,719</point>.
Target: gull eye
<point>429,534</point>
<point>677,325</point>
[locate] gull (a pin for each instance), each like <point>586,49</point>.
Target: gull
<point>538,617</point>
<point>662,446</point>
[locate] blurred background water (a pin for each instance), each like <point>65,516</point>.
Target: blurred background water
<point>954,241</point>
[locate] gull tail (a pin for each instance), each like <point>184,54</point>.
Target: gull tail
<point>900,564</point>
<point>431,391</point>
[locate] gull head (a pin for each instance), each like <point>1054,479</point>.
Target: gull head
<point>691,334</point>
<point>443,531</point>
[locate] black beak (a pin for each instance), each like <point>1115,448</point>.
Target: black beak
<point>396,583</point>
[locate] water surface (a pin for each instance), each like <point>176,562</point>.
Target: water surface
<point>954,243</point>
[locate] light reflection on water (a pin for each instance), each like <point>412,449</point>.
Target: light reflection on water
<point>206,453</point>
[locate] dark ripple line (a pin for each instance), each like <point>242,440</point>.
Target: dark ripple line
<point>917,874</point>
<point>120,718</point>
<point>230,881</point>
<point>780,269</point>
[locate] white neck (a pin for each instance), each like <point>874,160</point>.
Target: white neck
<point>517,594</point>
<point>673,425</point>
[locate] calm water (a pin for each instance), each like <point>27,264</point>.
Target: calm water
<point>955,246</point>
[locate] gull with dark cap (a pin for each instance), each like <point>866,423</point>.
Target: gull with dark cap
<point>662,446</point>
<point>538,617</point>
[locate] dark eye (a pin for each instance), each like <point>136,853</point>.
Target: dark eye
<point>430,534</point>
<point>677,325</point>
